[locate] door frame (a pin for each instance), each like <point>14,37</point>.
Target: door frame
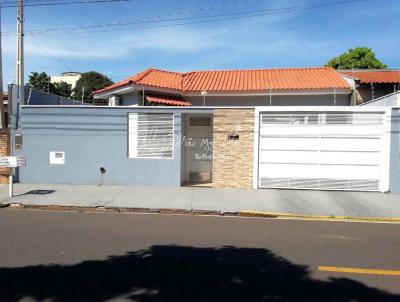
<point>184,148</point>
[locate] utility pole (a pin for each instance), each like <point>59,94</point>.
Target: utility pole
<point>20,52</point>
<point>83,93</point>
<point>1,81</point>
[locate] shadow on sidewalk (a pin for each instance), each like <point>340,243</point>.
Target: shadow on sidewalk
<point>175,273</point>
<point>36,192</point>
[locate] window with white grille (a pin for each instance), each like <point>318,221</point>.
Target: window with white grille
<point>151,135</point>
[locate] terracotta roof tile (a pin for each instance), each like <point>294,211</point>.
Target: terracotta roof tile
<point>374,76</point>
<point>238,80</point>
<point>167,100</point>
<point>162,79</point>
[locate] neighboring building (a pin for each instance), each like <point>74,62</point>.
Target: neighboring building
<point>38,97</point>
<point>372,84</point>
<point>5,109</point>
<point>70,77</point>
<point>4,138</point>
<point>321,86</point>
<point>390,100</point>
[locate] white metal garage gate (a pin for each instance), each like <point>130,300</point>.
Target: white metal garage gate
<point>320,150</point>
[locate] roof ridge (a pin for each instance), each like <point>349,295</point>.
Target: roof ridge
<point>185,75</point>
<point>140,75</point>
<point>182,79</point>
<point>368,70</point>
<point>181,74</point>
<point>167,71</point>
<point>258,69</point>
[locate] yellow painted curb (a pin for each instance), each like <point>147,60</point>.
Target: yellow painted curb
<point>365,271</point>
<point>318,217</point>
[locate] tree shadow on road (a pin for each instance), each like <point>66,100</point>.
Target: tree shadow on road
<point>178,273</point>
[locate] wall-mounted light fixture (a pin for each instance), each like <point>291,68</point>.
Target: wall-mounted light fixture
<point>233,136</point>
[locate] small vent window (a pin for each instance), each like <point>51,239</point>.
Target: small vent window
<point>330,118</point>
<point>354,118</point>
<point>151,135</point>
<point>200,121</point>
<point>294,119</point>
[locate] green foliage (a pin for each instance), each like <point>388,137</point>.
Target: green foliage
<point>91,81</point>
<point>358,58</point>
<point>62,88</point>
<point>41,81</point>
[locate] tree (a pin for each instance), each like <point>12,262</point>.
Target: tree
<point>41,81</point>
<point>359,58</point>
<point>90,81</point>
<point>62,88</point>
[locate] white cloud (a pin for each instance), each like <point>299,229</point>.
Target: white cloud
<point>116,44</point>
<point>182,40</point>
<point>265,41</point>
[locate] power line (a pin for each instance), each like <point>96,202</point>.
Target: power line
<point>13,1</point>
<point>161,19</point>
<point>152,19</point>
<point>30,1</point>
<point>9,4</point>
<point>48,54</point>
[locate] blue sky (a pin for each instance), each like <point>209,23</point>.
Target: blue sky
<point>297,39</point>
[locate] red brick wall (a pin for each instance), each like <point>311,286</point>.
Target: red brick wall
<point>4,149</point>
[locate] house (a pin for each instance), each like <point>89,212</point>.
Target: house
<point>254,129</point>
<point>321,86</point>
<point>372,84</point>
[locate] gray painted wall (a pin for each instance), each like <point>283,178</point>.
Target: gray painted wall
<point>394,182</point>
<point>130,99</point>
<point>91,138</point>
<point>287,100</point>
<point>134,98</point>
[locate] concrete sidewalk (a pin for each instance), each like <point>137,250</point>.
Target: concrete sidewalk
<point>324,203</point>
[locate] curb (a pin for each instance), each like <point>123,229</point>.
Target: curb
<point>171,211</point>
<point>318,217</point>
<point>102,209</point>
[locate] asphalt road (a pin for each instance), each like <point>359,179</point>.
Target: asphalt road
<point>66,256</point>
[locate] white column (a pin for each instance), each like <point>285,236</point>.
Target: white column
<point>113,101</point>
